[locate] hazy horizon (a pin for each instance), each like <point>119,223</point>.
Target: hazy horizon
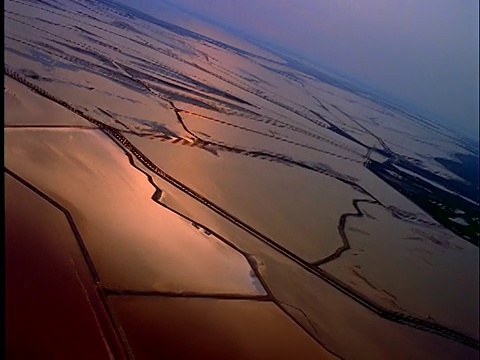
<point>423,53</point>
<point>251,183</point>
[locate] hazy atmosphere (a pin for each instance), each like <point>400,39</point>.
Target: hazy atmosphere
<point>423,52</point>
<point>241,180</point>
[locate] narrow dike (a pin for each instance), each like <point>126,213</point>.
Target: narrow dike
<point>383,312</point>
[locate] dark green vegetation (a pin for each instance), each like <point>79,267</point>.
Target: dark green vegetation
<point>467,188</point>
<point>466,167</point>
<point>442,205</point>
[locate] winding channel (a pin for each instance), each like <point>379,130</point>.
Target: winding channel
<point>341,231</point>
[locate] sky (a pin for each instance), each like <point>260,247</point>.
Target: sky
<point>424,52</point>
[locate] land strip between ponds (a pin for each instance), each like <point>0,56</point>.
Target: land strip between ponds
<point>270,135</point>
<point>186,294</point>
<point>383,312</point>
<point>35,126</point>
<point>123,350</point>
